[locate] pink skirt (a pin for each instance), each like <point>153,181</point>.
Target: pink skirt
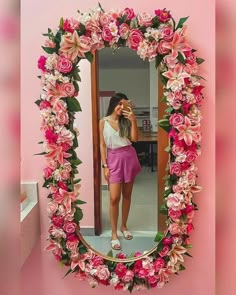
<point>123,164</point>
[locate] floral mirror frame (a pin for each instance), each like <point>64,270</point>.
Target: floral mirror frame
<point>152,37</point>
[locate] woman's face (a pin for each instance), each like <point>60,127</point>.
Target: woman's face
<point>119,108</point>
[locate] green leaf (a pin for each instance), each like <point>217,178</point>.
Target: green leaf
<point>199,60</point>
<point>181,267</point>
<point>181,22</point>
<point>38,101</point>
<point>61,24</point>
<point>76,162</point>
<point>158,60</point>
<point>76,86</point>
<point>40,154</point>
<point>159,237</point>
<point>49,50</point>
<point>164,99</point>
<point>76,75</point>
<point>163,79</point>
<point>110,253</point>
<point>168,149</point>
<point>169,110</point>
<point>78,215</point>
<point>181,58</point>
<point>163,210</point>
<point>68,272</point>
<point>100,6</point>
<point>76,181</point>
<point>186,253</point>
<point>80,202</point>
<point>199,77</point>
<point>164,124</point>
<point>73,105</point>
<point>40,142</point>
<point>89,56</point>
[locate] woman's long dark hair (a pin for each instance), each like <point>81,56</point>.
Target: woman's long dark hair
<point>124,124</point>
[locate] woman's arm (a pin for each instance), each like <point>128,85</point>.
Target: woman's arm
<point>103,150</point>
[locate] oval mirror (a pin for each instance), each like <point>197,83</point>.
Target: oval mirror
<point>158,38</point>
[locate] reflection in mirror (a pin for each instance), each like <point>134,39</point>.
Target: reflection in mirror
<point>125,72</point>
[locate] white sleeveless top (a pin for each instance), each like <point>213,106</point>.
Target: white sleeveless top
<point>112,137</point>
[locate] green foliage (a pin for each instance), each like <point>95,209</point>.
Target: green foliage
<point>78,215</point>
<point>181,58</point>
<point>73,105</point>
<point>80,202</point>
<point>158,59</point>
<point>199,60</point>
<point>38,101</point>
<point>49,50</point>
<point>165,124</point>
<point>159,237</point>
<point>181,22</point>
<point>89,56</point>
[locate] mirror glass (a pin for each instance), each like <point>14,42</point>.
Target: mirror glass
<point>125,72</point>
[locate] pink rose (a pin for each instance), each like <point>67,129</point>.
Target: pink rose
<point>175,229</point>
<point>152,280</point>
<point>70,25</point>
<point>44,104</point>
<point>97,260</point>
<point>59,106</point>
<point>124,31</point>
<point>62,185</point>
<point>190,57</point>
<point>191,156</point>
<point>62,118</point>
<point>143,273</point>
<point>67,89</point>
<point>57,198</point>
<point>129,12</point>
<point>173,134</point>
<point>188,209</point>
<point>177,188</point>
<point>106,34</point>
<point>161,48</point>
<point>175,168</point>
<point>128,276</point>
<point>158,264</point>
<point>42,62</point>
<point>174,214</point>
<point>103,272</point>
<point>176,119</point>
<point>135,37</point>
<point>47,172</point>
<point>145,19</point>
<point>167,33</point>
<point>52,207</point>
<point>65,174</point>
<point>50,136</point>
<point>163,15</point>
<point>72,244</point>
<point>104,19</point>
<point>189,228</point>
<point>65,146</point>
<point>58,221</point>
<point>167,242</point>
<point>70,227</point>
<point>120,270</point>
<point>121,255</point>
<point>85,45</point>
<point>177,150</point>
<point>64,65</point>
<point>185,166</point>
<point>164,251</point>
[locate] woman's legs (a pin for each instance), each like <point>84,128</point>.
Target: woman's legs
<point>115,192</point>
<point>126,192</point>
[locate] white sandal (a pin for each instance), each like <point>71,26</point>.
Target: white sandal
<point>127,234</point>
<point>115,244</point>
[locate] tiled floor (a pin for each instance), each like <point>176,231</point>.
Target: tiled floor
<point>142,220</point>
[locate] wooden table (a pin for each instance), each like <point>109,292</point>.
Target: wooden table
<point>149,139</point>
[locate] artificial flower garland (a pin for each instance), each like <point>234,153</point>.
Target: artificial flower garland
<point>152,37</point>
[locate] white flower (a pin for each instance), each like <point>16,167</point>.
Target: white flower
<point>51,61</point>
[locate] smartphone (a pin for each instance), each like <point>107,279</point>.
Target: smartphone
<point>127,105</point>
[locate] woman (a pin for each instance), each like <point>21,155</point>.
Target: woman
<point>119,160</point>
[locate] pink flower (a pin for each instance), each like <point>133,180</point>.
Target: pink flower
<point>56,153</point>
<point>50,136</point>
<point>175,77</point>
<point>189,133</point>
<point>166,241</point>
<point>177,150</point>
<point>128,276</point>
<point>135,37</point>
<point>44,104</point>
<point>62,118</point>
<point>142,273</point>
<point>120,270</point>
<point>49,43</point>
<point>58,221</point>
<point>144,19</point>
<point>175,168</point>
<point>121,255</point>
<point>102,272</point>
<point>161,48</point>
<point>42,62</point>
<point>64,65</point>
<point>68,197</point>
<point>190,57</point>
<point>174,214</point>
<point>47,172</point>
<point>124,31</point>
<point>164,251</point>
<point>173,134</point>
<point>175,229</point>
<point>152,281</point>
<point>57,197</point>
<point>189,228</point>
<point>70,24</point>
<point>176,119</point>
<point>159,263</point>
<point>97,260</point>
<point>72,243</point>
<point>167,33</point>
<point>178,44</point>
<point>129,12</point>
<point>191,156</point>
<point>67,89</point>
<point>175,201</point>
<point>70,227</point>
<point>106,34</point>
<point>163,15</point>
<point>188,209</point>
<point>62,185</point>
<point>52,207</point>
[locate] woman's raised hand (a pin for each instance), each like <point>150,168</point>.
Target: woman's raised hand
<point>128,114</point>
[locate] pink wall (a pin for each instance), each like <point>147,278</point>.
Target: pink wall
<point>36,17</point>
